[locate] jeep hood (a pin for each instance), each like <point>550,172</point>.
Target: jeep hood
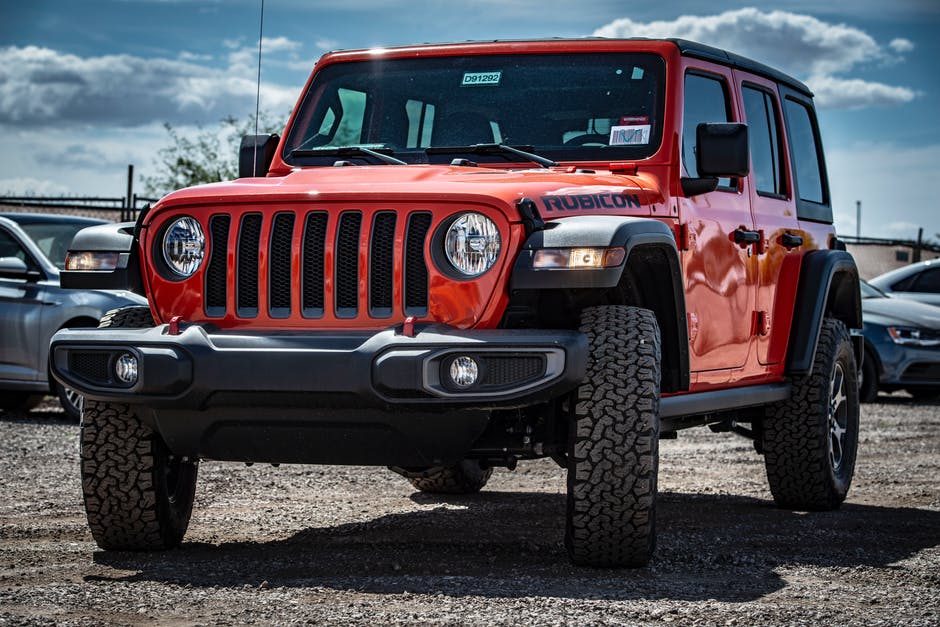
<point>558,191</point>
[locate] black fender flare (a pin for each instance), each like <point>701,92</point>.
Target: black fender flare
<point>651,263</point>
<point>828,286</point>
<point>114,238</point>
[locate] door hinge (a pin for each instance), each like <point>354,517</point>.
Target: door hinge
<point>685,237</point>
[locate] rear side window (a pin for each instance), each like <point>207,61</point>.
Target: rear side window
<point>927,281</point>
<point>706,100</point>
<point>804,142</point>
<point>766,157</point>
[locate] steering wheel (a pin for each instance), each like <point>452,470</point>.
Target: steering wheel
<point>588,138</point>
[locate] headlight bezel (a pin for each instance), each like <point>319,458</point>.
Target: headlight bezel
<point>162,259</point>
<point>443,261</point>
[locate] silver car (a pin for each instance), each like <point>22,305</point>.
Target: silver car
<point>917,281</point>
<point>33,306</point>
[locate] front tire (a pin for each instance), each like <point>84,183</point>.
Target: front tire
<point>138,495</point>
<point>811,439</point>
<point>613,442</point>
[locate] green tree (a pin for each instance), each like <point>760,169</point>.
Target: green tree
<point>208,156</point>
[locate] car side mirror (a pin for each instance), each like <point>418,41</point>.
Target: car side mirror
<point>255,154</point>
<point>13,268</point>
<point>722,150</point>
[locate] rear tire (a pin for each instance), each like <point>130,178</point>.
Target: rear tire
<point>70,400</point>
<point>811,439</point>
<point>868,385</point>
<point>613,442</point>
<point>465,477</point>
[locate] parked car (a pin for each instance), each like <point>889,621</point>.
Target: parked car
<point>33,306</point>
<point>917,281</point>
<point>902,346</point>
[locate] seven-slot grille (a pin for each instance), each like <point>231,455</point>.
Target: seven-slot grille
<point>315,262</point>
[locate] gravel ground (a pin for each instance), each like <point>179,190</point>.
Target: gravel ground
<point>340,545</point>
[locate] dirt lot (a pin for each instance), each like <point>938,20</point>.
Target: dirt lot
<point>339,545</point>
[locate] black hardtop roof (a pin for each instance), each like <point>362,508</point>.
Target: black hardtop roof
<point>708,53</point>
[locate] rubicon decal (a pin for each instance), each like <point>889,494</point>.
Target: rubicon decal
<point>584,202</point>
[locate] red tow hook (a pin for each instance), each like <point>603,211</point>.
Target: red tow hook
<point>408,327</point>
<point>175,325</point>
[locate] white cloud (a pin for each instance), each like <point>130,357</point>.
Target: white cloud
<point>326,44</point>
<point>838,93</point>
<point>40,86</point>
<point>901,45</point>
<point>801,45</point>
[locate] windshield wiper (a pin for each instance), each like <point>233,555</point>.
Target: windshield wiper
<point>489,149</point>
<point>346,151</point>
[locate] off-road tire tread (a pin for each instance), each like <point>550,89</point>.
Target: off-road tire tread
<point>796,431</point>
<point>119,461</point>
<point>613,446</point>
<point>132,317</point>
<point>465,477</point>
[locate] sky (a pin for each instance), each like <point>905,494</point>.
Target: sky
<point>87,85</point>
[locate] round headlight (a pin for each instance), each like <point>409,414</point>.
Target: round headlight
<point>472,244</point>
<point>184,246</point>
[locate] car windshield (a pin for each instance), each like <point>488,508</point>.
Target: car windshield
<point>53,239</point>
<point>563,107</point>
<point>870,291</point>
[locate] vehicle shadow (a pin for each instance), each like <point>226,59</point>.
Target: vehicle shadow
<point>506,545</point>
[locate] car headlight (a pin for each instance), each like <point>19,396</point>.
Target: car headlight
<point>912,336</point>
<point>184,246</point>
<point>472,244</point>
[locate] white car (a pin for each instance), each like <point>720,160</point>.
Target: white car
<point>918,281</point>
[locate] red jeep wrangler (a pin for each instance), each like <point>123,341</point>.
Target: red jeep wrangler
<point>462,256</point>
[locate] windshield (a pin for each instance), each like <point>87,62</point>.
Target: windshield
<point>53,239</point>
<point>565,107</point>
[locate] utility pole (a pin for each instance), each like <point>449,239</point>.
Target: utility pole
<point>128,213</point>
<point>858,218</point>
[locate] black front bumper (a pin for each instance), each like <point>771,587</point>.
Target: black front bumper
<point>351,398</point>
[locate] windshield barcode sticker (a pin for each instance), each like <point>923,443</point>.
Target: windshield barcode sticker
<point>481,78</point>
<point>630,135</point>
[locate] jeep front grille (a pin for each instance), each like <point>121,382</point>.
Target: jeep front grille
<point>345,261</point>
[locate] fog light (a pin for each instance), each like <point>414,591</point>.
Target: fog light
<point>126,368</point>
<point>464,371</point>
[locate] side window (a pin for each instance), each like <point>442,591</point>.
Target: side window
<point>9,247</point>
<point>706,100</point>
<point>804,144</point>
<point>927,281</point>
<point>762,115</point>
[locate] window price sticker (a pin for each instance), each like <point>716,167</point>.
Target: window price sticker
<point>629,135</point>
<point>481,78</point>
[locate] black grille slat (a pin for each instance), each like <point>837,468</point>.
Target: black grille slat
<point>313,265</point>
<point>217,268</point>
<point>416,270</point>
<point>279,265</point>
<point>347,264</point>
<point>249,243</point>
<point>382,264</point>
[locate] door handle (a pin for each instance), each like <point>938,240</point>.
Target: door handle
<point>788,240</point>
<point>744,238</point>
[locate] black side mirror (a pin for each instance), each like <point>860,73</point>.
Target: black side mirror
<point>13,268</point>
<point>255,154</point>
<point>722,150</point>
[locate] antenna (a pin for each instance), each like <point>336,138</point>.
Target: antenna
<point>254,163</point>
